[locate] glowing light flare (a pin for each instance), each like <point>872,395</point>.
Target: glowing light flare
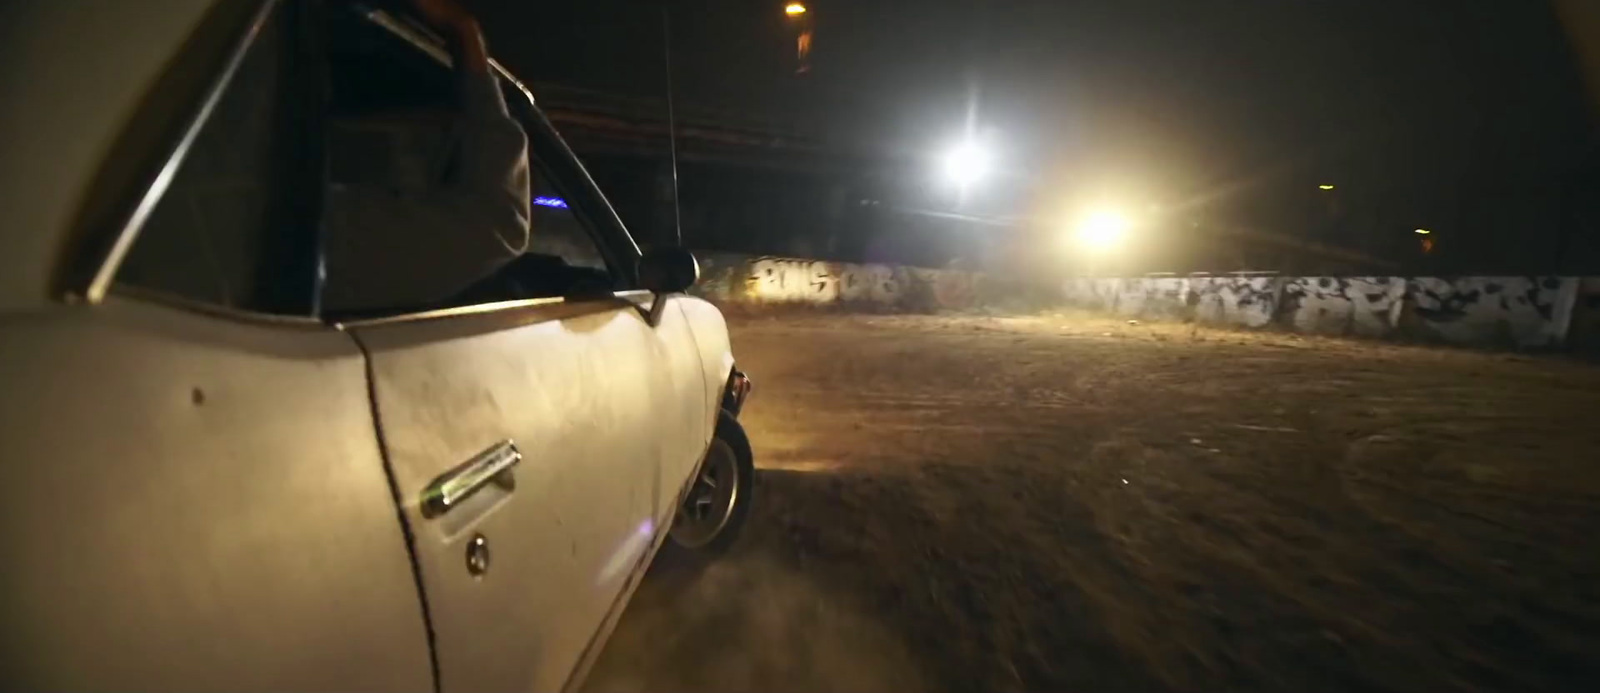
<point>554,202</point>
<point>965,164</point>
<point>794,9</point>
<point>1325,186</point>
<point>1423,232</point>
<point>1102,230</point>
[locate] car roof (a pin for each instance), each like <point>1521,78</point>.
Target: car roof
<point>71,75</point>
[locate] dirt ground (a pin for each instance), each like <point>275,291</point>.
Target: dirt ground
<point>1071,503</point>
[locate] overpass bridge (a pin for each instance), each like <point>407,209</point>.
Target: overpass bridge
<point>764,185</point>
<point>636,126</point>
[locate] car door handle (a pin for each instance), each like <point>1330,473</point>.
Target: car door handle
<point>492,465</point>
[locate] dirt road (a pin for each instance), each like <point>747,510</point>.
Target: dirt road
<point>1065,503</point>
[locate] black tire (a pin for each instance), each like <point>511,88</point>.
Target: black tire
<point>730,434</point>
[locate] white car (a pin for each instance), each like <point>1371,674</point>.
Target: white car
<point>214,485</point>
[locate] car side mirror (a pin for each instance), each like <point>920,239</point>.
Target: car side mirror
<point>668,270</point>
<point>665,271</point>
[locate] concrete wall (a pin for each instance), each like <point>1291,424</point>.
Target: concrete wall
<point>769,280</point>
<point>1534,312</point>
<point>1584,329</point>
<point>1499,311</point>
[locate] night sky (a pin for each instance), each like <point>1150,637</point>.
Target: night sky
<point>1465,117</point>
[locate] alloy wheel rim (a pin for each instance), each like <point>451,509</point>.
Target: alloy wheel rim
<point>709,505</point>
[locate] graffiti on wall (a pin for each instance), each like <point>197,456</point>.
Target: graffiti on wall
<point>792,281</point>
<point>1366,306</point>
<point>868,283</point>
<point>1511,311</point>
<point>1246,301</point>
<point>1166,297</point>
<point>1501,311</point>
<point>1504,311</point>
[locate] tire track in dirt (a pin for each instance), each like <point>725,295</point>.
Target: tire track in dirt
<point>966,503</point>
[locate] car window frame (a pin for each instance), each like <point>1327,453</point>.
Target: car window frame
<point>92,269</point>
<point>284,258</point>
<point>550,155</point>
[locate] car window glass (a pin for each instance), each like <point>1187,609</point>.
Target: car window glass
<point>221,231</point>
<point>561,232</point>
<point>392,126</point>
<point>390,107</point>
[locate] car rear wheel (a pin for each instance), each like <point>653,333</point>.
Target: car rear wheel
<point>718,502</point>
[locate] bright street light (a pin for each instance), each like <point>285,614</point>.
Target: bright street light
<point>1102,230</point>
<point>794,9</point>
<point>965,164</point>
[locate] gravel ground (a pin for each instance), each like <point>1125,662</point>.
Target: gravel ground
<point>1070,503</point>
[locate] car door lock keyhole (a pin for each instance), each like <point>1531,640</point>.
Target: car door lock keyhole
<point>478,555</point>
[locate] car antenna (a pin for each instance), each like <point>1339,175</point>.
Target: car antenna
<point>672,129</point>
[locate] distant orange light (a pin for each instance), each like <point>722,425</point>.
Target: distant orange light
<point>794,9</point>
